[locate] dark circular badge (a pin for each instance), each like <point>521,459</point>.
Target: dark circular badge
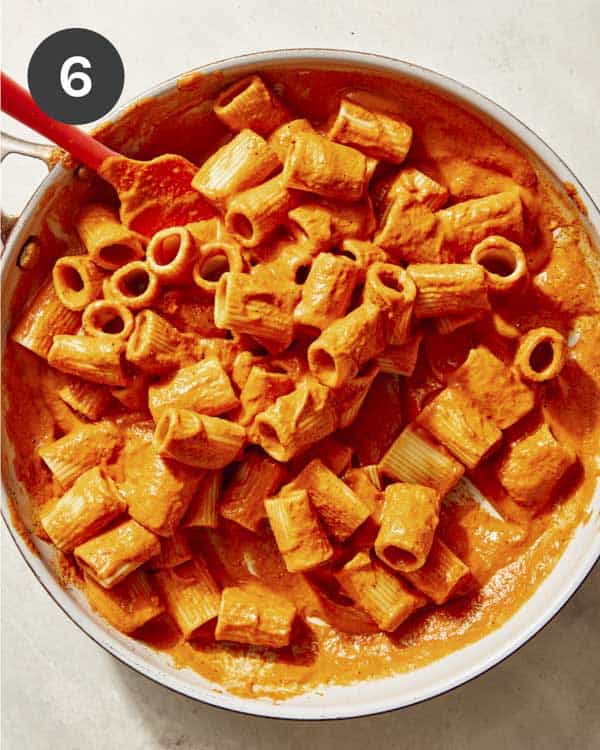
<point>76,76</point>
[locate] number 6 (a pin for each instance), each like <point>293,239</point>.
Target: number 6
<point>67,78</point>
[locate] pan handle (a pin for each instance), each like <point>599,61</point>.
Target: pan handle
<point>11,145</point>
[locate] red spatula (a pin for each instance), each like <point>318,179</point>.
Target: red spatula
<point>153,194</point>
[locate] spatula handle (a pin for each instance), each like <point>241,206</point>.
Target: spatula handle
<point>18,103</point>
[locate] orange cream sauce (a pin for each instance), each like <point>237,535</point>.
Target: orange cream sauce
<point>508,558</point>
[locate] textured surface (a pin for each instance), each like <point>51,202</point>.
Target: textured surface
<point>536,59</point>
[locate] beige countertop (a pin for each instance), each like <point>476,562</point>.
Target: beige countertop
<point>539,59</point>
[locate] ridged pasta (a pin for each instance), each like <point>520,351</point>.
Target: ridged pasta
<point>298,533</point>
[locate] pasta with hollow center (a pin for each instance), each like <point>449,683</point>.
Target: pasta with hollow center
<point>266,434</point>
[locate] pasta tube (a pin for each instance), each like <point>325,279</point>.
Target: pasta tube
<point>467,223</point>
<point>214,260</point>
<point>77,281</point>
<point>109,243</point>
<point>91,504</point>
<point>45,317</point>
<point>283,137</point>
<point>402,359</point>
<point>298,533</point>
<point>157,489</point>
<point>532,467</point>
<point>411,233</point>
<point>541,354</point>
<point>247,304</point>
<point>448,289</point>
<point>225,350</point>
<point>170,255</point>
<point>377,134</point>
<point>346,345</point>
<point>459,425</point>
<point>415,458</point>
<point>107,318</point>
<point>174,550</point>
<point>203,387</point>
<point>366,485</point>
<point>412,186</point>
<point>89,399</point>
<point>503,261</point>
<point>80,450</point>
<point>317,165</point>
<point>197,440</point>
<point>326,224</point>
<point>340,510</point>
<point>255,615</point>
<point>443,576</point>
<point>244,162</point>
<point>260,390</point>
<point>134,285</point>
<point>256,478</point>
<point>203,509</point>
<point>327,291</point>
<point>350,397</point>
<point>128,605</point>
<point>392,290</point>
<point>97,359</point>
<point>249,103</point>
<point>409,518</point>
<point>482,377</point>
<point>296,421</point>
<point>252,216</point>
<point>191,595</point>
<point>111,556</point>
<point>155,345</point>
<point>382,595</point>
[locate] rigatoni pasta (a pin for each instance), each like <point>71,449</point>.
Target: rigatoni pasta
<point>45,318</point>
<point>171,254</point>
<point>98,359</point>
<point>253,427</point>
<point>298,533</point>
<point>77,281</point>
<point>107,318</point>
<point>89,399</point>
<point>346,345</point>
<point>197,440</point>
<point>379,592</point>
<point>327,291</point>
<point>191,595</point>
<point>89,505</point>
<point>256,213</point>
<point>127,606</point>
<point>80,450</point>
<point>245,161</point>
<point>409,518</point>
<point>154,344</point>
<point>377,134</point>
<point>339,509</point>
<point>253,614</point>
<point>203,387</point>
<point>317,165</point>
<point>256,478</point>
<point>541,354</point>
<point>249,103</point>
<point>109,244</point>
<point>111,556</point>
<point>448,289</point>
